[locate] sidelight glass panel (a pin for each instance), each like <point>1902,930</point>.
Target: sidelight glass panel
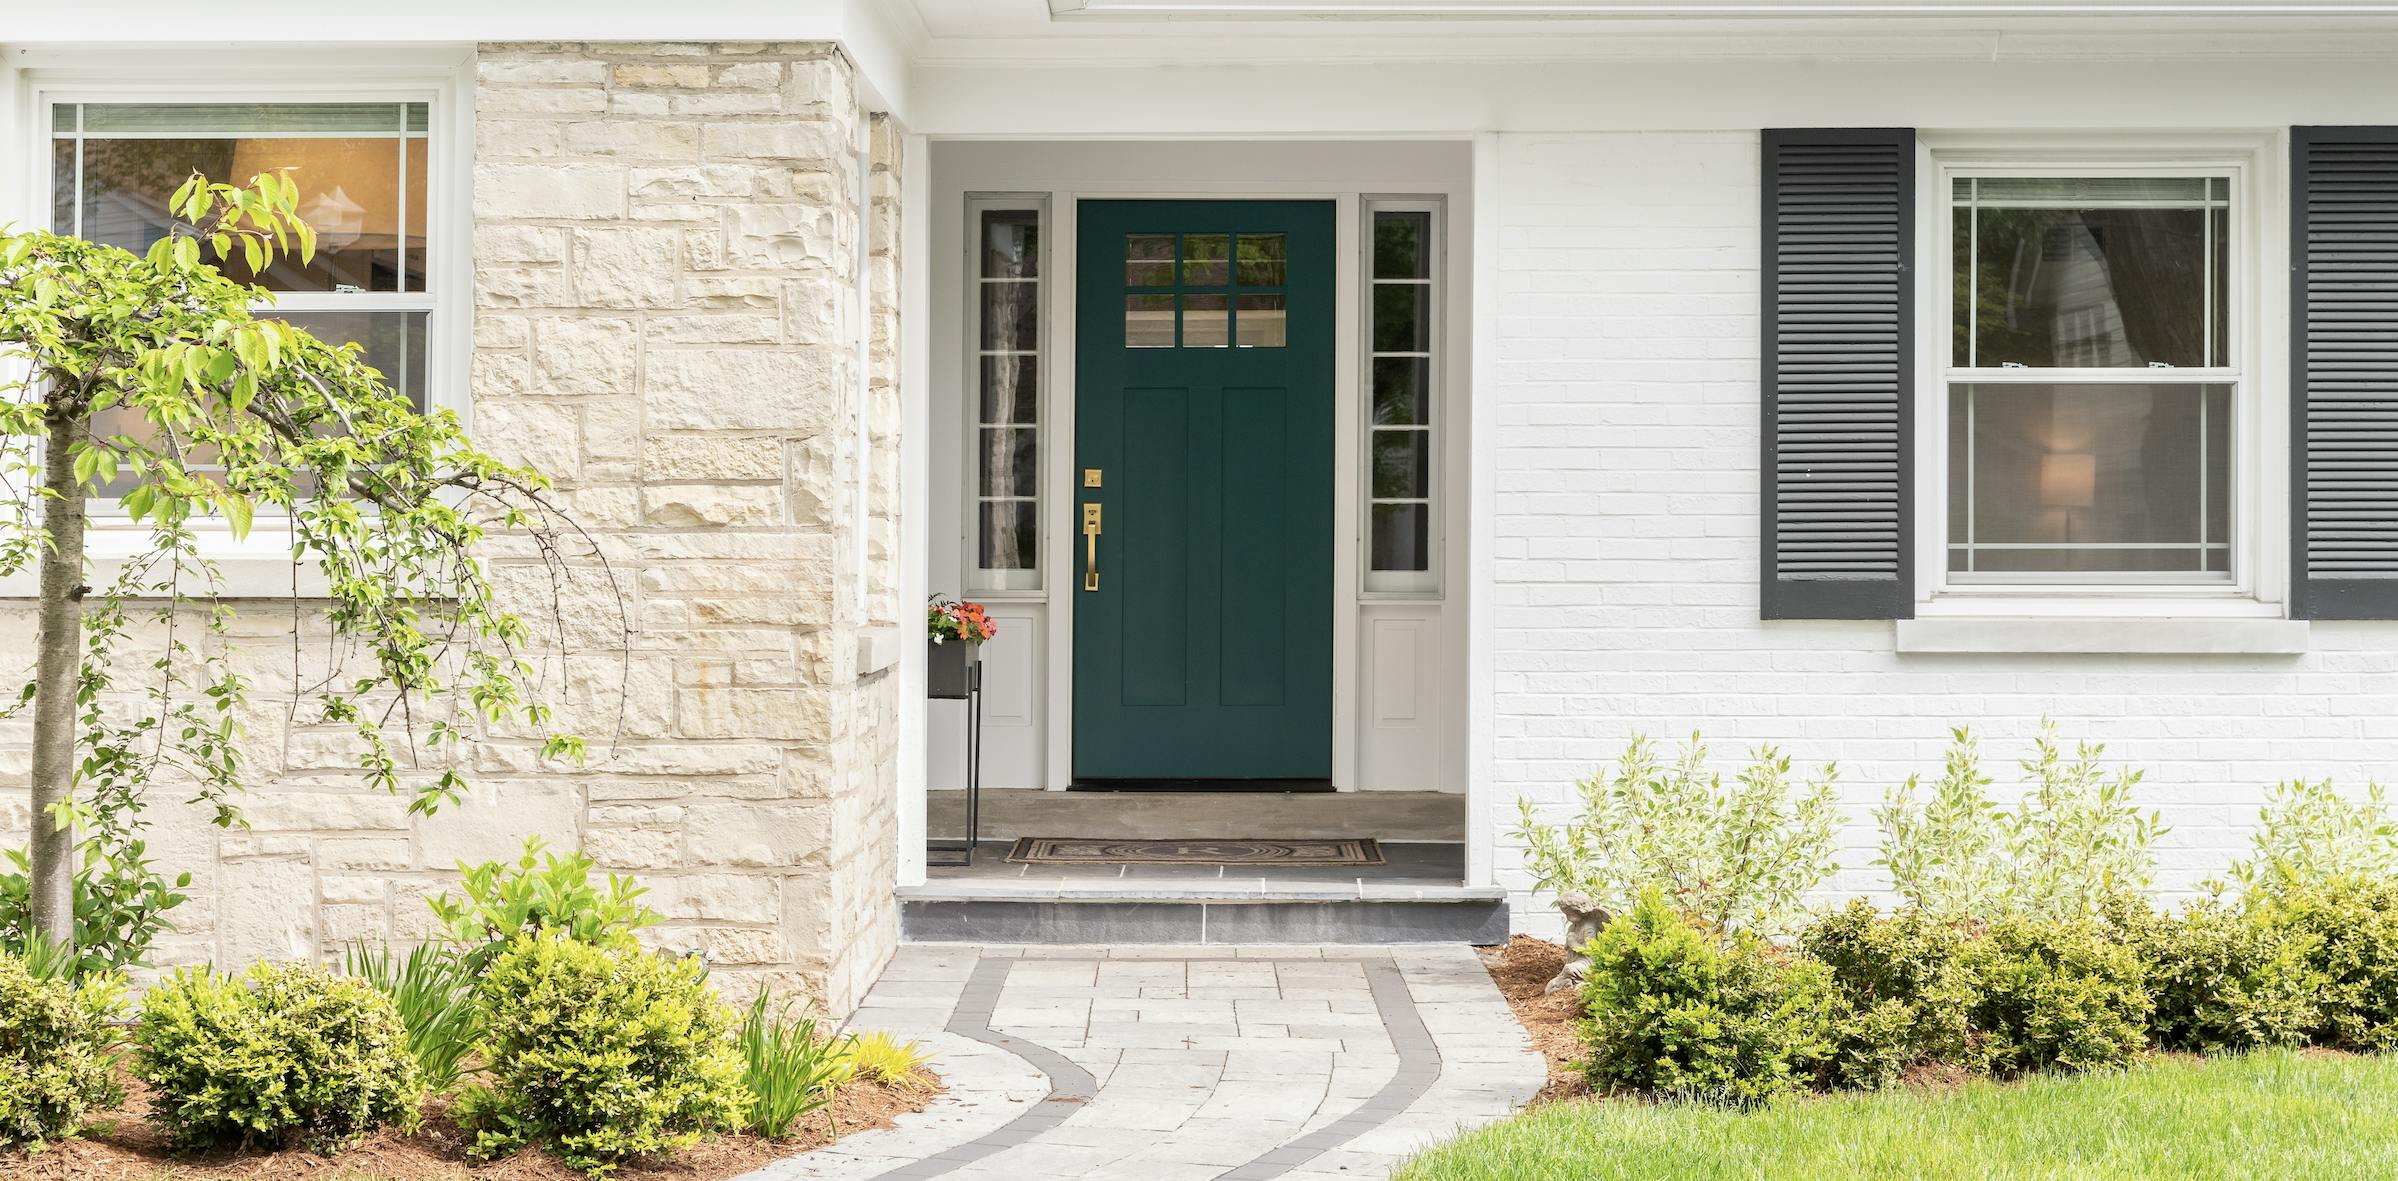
<point>1011,389</point>
<point>1008,461</point>
<point>1402,315</point>
<point>1400,384</point>
<point>1401,538</point>
<point>1011,317</point>
<point>1009,536</point>
<point>1402,465</point>
<point>1011,244</point>
<point>1399,244</point>
<point>1005,441</point>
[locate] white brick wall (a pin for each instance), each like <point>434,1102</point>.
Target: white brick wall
<point>1625,549</point>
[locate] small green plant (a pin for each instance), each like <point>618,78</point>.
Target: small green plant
<point>1675,1010</point>
<point>284,1052</point>
<point>433,992</point>
<point>2221,979</point>
<point>120,902</point>
<point>789,1070</point>
<point>2350,927</point>
<point>539,891</point>
<point>58,1050</point>
<point>2307,833</point>
<point>875,1054</point>
<point>1740,856</point>
<point>601,1052</point>
<point>1905,981</point>
<point>1944,853</point>
<point>2055,994</point>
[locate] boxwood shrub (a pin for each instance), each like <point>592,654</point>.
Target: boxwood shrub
<point>58,1052</point>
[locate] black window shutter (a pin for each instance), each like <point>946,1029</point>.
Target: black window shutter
<point>1839,338</point>
<point>2344,373</point>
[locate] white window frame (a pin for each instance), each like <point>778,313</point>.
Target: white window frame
<point>1405,585</point>
<point>990,584</point>
<point>260,564</point>
<point>2259,432</point>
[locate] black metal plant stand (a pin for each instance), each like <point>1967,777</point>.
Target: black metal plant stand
<point>955,673</point>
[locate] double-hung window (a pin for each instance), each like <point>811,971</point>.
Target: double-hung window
<point>2094,379</point>
<point>362,169</point>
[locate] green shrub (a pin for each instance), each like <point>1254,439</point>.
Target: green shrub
<point>2222,979</point>
<point>2307,834</point>
<point>2054,994</point>
<point>2350,927</point>
<point>539,891</point>
<point>284,1052</point>
<point>788,1069</point>
<point>603,1052</point>
<point>1905,985</point>
<point>1738,856</point>
<point>433,991</point>
<point>58,1051</point>
<point>1672,1009</point>
<point>121,901</point>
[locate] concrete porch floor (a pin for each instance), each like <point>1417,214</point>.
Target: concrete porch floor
<point>1407,865</point>
<point>1008,813</point>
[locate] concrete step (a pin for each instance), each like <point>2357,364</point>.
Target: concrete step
<point>1359,913</point>
<point>1008,813</point>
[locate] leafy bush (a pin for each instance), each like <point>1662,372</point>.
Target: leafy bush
<point>877,1055</point>
<point>1674,1010</point>
<point>2055,994</point>
<point>2349,927</point>
<point>433,991</point>
<point>604,1052</point>
<point>2221,979</point>
<point>789,1070</point>
<point>539,891</point>
<point>2307,833</point>
<point>2072,842</point>
<point>121,902</point>
<point>58,1051</point>
<point>1737,857</point>
<point>297,1052</point>
<point>1907,988</point>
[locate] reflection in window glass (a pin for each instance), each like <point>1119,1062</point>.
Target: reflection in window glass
<point>1400,384</point>
<point>1006,442</point>
<point>1206,322</point>
<point>1148,321</point>
<point>1011,244</point>
<point>1206,260</point>
<point>1399,238</point>
<point>1149,260</point>
<point>1402,317</point>
<point>1263,321</point>
<point>2090,479</point>
<point>1262,260</point>
<point>1402,536</point>
<point>1400,444</point>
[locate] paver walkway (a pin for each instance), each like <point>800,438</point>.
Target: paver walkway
<point>1175,1063</point>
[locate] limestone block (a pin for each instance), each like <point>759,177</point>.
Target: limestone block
<point>355,853</point>
<point>635,848</point>
<point>612,429</point>
<point>575,100</point>
<point>543,285</point>
<point>716,328</point>
<point>743,292</point>
<point>725,104</point>
<point>746,946</point>
<point>564,191</point>
<point>771,835</point>
<point>708,712</point>
<point>493,821</point>
<point>787,236</point>
<point>813,141</point>
<point>582,355</point>
<point>750,75</point>
<point>346,888</point>
<point>717,897</point>
<point>544,436</point>
<point>626,267</point>
<point>687,181</point>
<point>266,911</point>
<point>647,76</point>
<point>529,71</point>
<point>524,244</point>
<point>740,389</point>
<point>321,811</point>
<point>499,374</point>
<point>713,505</point>
<point>340,925</point>
<point>697,761</point>
<point>706,457</point>
<point>640,139</point>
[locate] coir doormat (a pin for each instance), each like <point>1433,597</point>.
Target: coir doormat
<point>1211,851</point>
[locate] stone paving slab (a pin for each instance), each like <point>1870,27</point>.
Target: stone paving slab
<point>1252,1063</point>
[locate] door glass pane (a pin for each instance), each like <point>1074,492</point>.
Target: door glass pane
<point>1262,261</point>
<point>1400,537</point>
<point>1011,244</point>
<point>1263,321</point>
<point>2063,480</point>
<point>1010,535</point>
<point>1011,317</point>
<point>1149,260</point>
<point>1206,322</point>
<point>1011,389</point>
<point>1401,318</point>
<point>1206,260</point>
<point>1008,467</point>
<point>2090,272</point>
<point>1149,321</point>
<point>1399,384</point>
<point>1402,465</point>
<point>1400,238</point>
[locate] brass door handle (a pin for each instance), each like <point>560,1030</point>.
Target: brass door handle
<point>1090,550</point>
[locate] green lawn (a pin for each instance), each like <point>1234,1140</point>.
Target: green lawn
<point>2272,1115</point>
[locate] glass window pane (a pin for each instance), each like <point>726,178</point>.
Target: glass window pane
<point>1149,260</point>
<point>1149,321</point>
<point>1399,245</point>
<point>393,342</point>
<point>2076,479</point>
<point>1263,322</point>
<point>1206,260</point>
<point>1401,536</point>
<point>1262,260</point>
<point>1402,318</point>
<point>1206,322</point>
<point>412,238</point>
<point>1399,388</point>
<point>62,186</point>
<point>1402,464</point>
<point>64,116</point>
<point>1011,389</point>
<point>2090,272</point>
<point>1009,538</point>
<point>226,119</point>
<point>1011,317</point>
<point>1011,244</point>
<point>1010,461</point>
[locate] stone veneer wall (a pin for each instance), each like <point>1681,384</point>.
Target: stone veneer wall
<point>666,254</point>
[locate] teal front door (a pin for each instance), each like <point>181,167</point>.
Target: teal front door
<point>1203,523</point>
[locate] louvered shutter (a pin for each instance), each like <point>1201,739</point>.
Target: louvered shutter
<point>2344,372</point>
<point>1839,219</point>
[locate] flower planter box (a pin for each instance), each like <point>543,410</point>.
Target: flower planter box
<point>949,669</point>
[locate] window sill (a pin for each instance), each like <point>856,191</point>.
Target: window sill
<point>2183,635</point>
<point>879,648</point>
<point>257,567</point>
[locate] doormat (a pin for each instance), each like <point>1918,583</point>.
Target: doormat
<point>1244,851</point>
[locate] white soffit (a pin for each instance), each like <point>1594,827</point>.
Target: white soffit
<point>1244,10</point>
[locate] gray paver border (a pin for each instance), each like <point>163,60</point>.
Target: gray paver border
<point>1071,1086</point>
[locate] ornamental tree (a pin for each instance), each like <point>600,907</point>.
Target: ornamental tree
<point>148,380</point>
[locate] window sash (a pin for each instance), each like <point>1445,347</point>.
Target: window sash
<point>1430,420</point>
<point>982,502</point>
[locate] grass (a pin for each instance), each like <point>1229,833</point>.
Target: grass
<point>2279,1115</point>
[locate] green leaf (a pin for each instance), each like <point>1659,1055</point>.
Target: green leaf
<point>237,512</point>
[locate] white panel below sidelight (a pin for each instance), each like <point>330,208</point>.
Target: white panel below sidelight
<point>1399,728</point>
<point>1014,666</point>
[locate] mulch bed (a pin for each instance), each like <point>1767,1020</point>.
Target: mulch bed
<point>122,1146</point>
<point>1522,968</point>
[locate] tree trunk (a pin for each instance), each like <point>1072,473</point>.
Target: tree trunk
<point>58,668</point>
